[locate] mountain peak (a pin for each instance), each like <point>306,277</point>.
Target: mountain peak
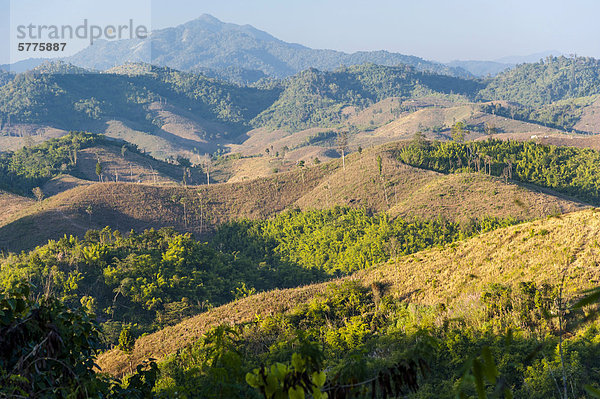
<point>208,19</point>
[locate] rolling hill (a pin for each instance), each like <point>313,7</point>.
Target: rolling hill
<point>453,277</point>
<point>399,190</point>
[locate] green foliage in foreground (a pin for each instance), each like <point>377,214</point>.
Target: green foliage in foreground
<point>140,282</point>
<point>341,240</point>
<point>569,170</point>
<point>48,351</point>
<point>150,279</point>
<point>505,342</point>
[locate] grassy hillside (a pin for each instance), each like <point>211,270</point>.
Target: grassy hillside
<point>12,204</point>
<point>126,206</point>
<point>399,190</point>
<point>404,190</point>
<point>540,252</point>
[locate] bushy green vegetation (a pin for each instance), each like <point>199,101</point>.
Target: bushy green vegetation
<point>341,240</point>
<point>315,98</point>
<point>570,170</point>
<point>366,339</point>
<point>151,279</point>
<point>48,351</point>
<point>30,167</point>
<point>146,281</point>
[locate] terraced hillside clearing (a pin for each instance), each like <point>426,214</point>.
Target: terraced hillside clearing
<point>542,251</point>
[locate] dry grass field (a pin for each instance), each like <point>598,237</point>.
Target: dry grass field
<point>11,204</point>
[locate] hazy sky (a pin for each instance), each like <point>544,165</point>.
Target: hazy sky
<point>433,29</point>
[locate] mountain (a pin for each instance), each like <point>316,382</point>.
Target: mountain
<point>547,81</point>
<point>207,42</point>
<point>314,98</point>
<point>530,58</point>
<point>24,66</point>
<point>481,68</point>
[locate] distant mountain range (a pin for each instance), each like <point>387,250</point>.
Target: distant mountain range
<point>239,52</point>
<point>493,68</point>
<point>244,54</point>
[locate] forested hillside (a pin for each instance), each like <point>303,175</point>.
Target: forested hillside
<point>315,98</point>
<point>74,101</point>
<point>569,170</point>
<point>160,277</point>
<point>472,302</point>
<point>547,81</point>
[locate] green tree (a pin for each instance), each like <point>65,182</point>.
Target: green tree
<point>459,131</point>
<point>126,339</point>
<point>99,170</point>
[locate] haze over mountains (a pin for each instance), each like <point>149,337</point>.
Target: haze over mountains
<point>245,54</point>
<point>207,42</point>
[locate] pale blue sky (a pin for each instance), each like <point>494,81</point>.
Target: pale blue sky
<point>433,29</point>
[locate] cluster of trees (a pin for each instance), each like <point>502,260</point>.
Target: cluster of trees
<point>570,170</point>
<point>30,167</point>
<point>150,279</point>
<point>341,240</point>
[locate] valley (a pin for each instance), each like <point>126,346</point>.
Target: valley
<point>244,217</point>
